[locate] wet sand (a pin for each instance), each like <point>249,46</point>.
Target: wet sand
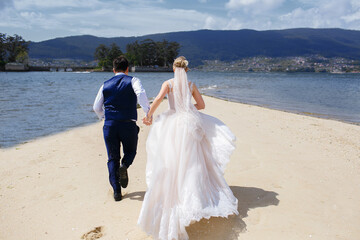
<point>295,176</point>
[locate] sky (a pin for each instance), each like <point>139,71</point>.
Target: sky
<point>38,20</point>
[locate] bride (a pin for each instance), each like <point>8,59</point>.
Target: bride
<point>187,152</point>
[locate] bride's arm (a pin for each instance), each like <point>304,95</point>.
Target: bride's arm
<point>200,104</point>
<point>163,91</point>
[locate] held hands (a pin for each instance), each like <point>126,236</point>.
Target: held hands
<point>147,120</point>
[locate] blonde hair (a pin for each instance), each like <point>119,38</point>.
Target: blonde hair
<point>181,62</point>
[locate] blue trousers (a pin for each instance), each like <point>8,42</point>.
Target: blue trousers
<point>117,133</point>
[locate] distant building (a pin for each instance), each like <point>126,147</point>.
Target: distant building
<point>13,66</point>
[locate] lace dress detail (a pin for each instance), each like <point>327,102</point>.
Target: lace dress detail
<point>184,173</point>
<point>171,95</point>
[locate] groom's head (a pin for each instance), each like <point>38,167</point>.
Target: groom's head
<point>120,64</point>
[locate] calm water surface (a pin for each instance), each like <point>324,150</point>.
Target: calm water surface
<point>34,104</point>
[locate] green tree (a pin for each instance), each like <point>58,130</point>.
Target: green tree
<point>101,54</point>
<point>162,52</point>
<point>22,57</point>
<point>133,53</point>
<point>15,45</point>
<point>150,53</point>
<point>167,52</point>
<point>171,52</point>
<point>2,47</point>
<point>106,55</point>
<point>114,52</point>
<point>13,48</point>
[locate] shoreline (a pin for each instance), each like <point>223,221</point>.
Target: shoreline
<point>293,176</point>
<point>84,69</point>
<point>170,70</point>
<point>314,115</point>
<point>309,114</point>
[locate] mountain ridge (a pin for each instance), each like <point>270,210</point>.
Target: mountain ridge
<point>225,45</point>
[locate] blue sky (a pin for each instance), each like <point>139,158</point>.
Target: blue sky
<point>38,20</point>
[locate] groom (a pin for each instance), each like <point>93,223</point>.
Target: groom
<point>116,101</point>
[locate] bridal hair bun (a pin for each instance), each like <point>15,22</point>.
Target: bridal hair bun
<point>181,62</point>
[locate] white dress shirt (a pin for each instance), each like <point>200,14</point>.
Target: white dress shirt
<point>138,89</point>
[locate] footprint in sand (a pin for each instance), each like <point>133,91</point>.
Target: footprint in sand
<point>96,233</point>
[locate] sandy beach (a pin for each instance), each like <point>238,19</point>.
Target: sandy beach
<point>295,176</point>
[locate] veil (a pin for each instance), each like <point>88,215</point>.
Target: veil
<point>183,105</point>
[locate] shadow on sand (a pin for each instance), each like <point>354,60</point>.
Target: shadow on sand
<point>135,196</point>
<point>222,228</point>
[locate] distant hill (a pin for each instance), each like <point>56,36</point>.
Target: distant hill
<point>218,44</point>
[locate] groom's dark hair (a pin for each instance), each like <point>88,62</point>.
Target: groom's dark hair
<point>120,64</point>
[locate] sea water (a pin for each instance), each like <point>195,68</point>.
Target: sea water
<point>34,104</point>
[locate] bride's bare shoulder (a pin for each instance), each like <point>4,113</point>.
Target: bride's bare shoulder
<point>167,85</point>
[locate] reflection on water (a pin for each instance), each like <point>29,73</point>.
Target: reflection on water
<point>35,104</point>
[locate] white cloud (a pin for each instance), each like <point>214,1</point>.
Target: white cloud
<point>302,18</point>
<point>327,14</point>
<point>41,4</point>
<point>256,6</point>
<point>209,22</point>
<point>234,24</point>
<point>44,19</point>
<point>240,3</point>
<point>140,21</point>
<point>10,18</point>
<point>279,14</point>
<point>355,3</point>
<point>106,19</point>
<point>81,4</point>
<point>352,17</point>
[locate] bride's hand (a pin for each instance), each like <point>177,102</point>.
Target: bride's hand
<point>144,121</point>
<point>147,120</point>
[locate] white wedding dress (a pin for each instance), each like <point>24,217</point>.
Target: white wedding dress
<point>187,152</point>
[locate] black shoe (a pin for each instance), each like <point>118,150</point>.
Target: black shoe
<point>117,196</point>
<point>123,175</point>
